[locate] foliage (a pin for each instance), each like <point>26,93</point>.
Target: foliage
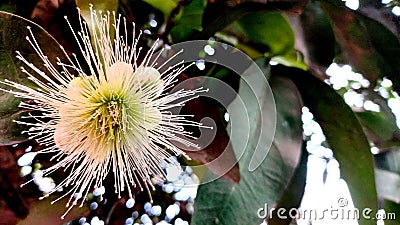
<point>304,37</point>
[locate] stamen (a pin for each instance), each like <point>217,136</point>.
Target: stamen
<point>115,119</point>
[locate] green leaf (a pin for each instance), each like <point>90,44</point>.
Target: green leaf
<point>188,23</point>
<point>230,35</point>
<point>165,6</point>
<point>344,135</point>
<point>388,47</point>
<point>380,127</point>
<point>293,194</point>
<point>292,59</point>
<point>269,31</point>
<point>378,124</point>
<point>318,35</point>
<point>220,202</point>
<point>227,17</point>
<point>314,38</point>
<point>263,33</point>
<point>13,30</point>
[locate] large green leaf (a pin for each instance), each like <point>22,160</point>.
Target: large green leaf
<point>269,31</point>
<point>228,16</point>
<point>220,202</point>
<point>387,45</point>
<point>380,127</point>
<point>189,22</point>
<point>263,33</point>
<point>314,37</point>
<point>344,135</point>
<point>292,58</point>
<point>318,35</point>
<point>165,6</point>
<point>378,123</point>
<point>293,194</point>
<point>13,31</point>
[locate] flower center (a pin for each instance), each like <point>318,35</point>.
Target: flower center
<point>109,117</point>
<point>118,104</point>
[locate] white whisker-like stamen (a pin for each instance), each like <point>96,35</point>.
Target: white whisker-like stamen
<point>114,118</point>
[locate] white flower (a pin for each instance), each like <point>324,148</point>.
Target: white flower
<point>114,118</point>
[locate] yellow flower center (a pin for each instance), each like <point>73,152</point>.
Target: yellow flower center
<point>118,104</point>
